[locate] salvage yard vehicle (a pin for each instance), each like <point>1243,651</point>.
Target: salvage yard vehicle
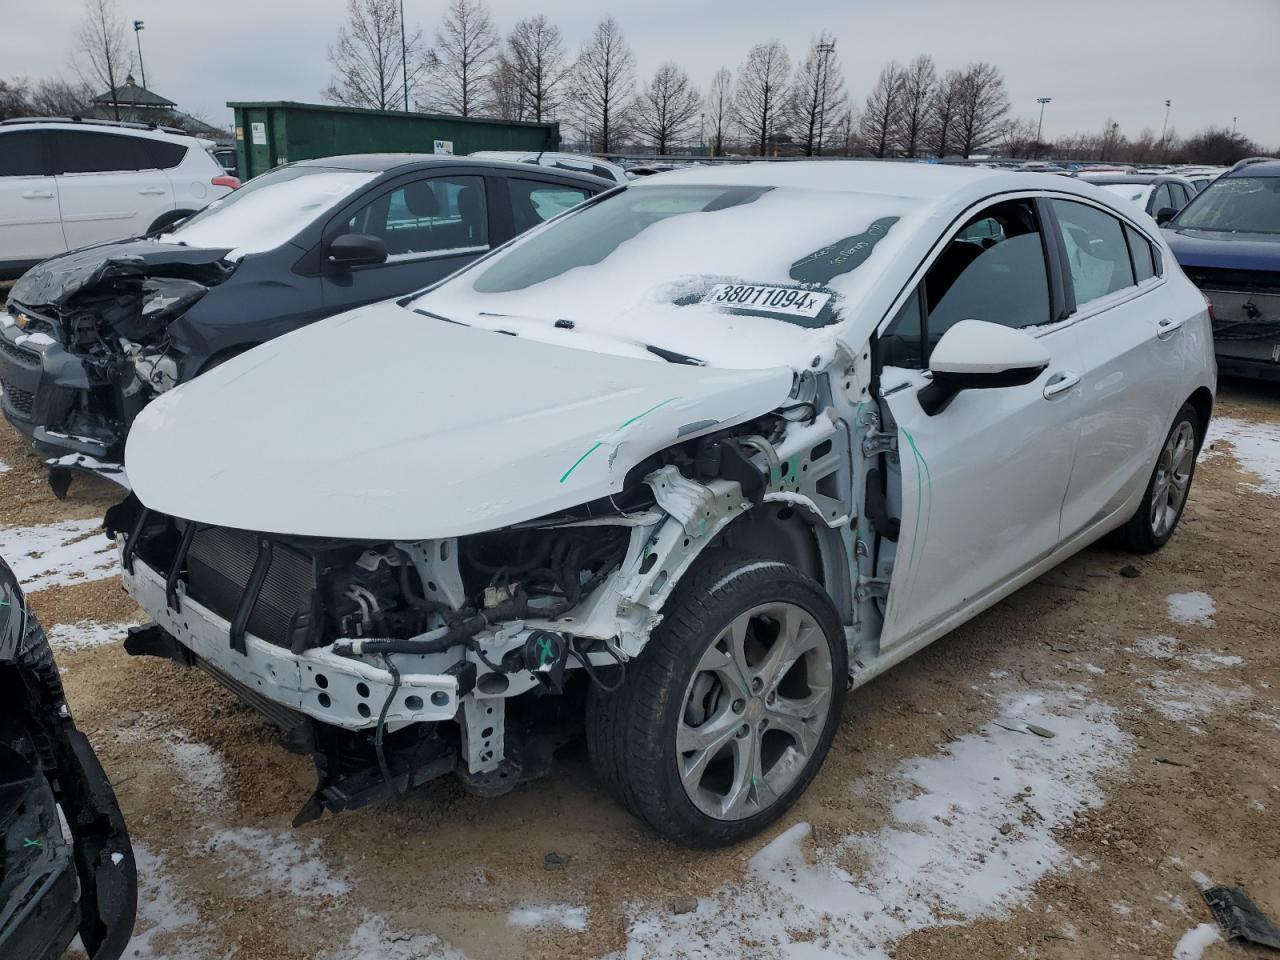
<point>92,336</point>
<point>54,885</point>
<point>703,453</point>
<point>1160,196</point>
<point>66,183</point>
<point>1228,242</point>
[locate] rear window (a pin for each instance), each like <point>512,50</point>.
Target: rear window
<point>21,154</point>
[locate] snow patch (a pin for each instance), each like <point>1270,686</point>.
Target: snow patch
<point>1195,941</point>
<point>972,832</point>
<point>168,925</point>
<point>58,554</point>
<point>563,915</point>
<point>4,467</point>
<point>1256,447</point>
<point>1159,647</point>
<point>84,634</point>
<point>1176,699</point>
<point>1195,607</point>
<point>266,860</point>
<point>376,939</point>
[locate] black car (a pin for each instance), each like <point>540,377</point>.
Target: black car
<point>1161,195</point>
<point>52,888</point>
<point>92,335</point>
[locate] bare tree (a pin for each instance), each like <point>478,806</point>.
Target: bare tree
<point>372,67</point>
<point>760,104</point>
<point>1018,138</point>
<point>943,112</point>
<point>604,79</point>
<point>719,105</point>
<point>918,82</point>
<point>982,107</point>
<point>882,114</point>
<point>843,133</point>
<point>15,98</point>
<point>56,97</point>
<point>507,96</point>
<point>535,51</point>
<point>817,94</point>
<point>666,110</point>
<point>465,45</point>
<point>106,58</point>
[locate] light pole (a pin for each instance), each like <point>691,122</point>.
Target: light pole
<point>826,49</point>
<point>1233,126</point>
<point>1040,126</point>
<point>138,26</point>
<point>1164,130</point>
<point>404,59</point>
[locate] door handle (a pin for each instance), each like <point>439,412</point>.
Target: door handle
<point>37,194</point>
<point>1167,328</point>
<point>1060,384</point>
<point>153,192</point>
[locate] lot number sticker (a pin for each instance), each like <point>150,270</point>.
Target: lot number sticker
<point>788,300</point>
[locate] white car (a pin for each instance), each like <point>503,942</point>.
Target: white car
<point>703,452</point>
<point>65,184</point>
<point>577,162</point>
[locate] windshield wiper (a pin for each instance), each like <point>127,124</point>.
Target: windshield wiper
<point>671,356</point>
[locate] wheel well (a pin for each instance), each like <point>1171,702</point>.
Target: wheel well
<point>1202,402</point>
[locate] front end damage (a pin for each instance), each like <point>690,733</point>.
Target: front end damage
<point>396,662</point>
<point>85,345</point>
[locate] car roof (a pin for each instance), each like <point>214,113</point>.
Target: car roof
<point>169,134</point>
<point>407,162</point>
<point>1258,168</point>
<point>1108,179</point>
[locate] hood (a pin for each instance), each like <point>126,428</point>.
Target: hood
<point>385,423</point>
<point>1230,251</point>
<point>53,282</point>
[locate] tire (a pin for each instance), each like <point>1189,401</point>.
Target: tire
<point>167,220</point>
<point>1169,487</point>
<point>685,685</point>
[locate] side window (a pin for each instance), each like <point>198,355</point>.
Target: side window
<point>993,269</point>
<point>533,201</point>
<point>22,154</point>
<point>1163,198</point>
<point>1144,261</point>
<point>79,151</point>
<point>427,216</point>
<point>1097,254</point>
<point>163,155</point>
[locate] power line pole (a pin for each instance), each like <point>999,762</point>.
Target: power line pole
<point>1040,126</point>
<point>138,26</point>
<point>404,59</point>
<point>826,49</point>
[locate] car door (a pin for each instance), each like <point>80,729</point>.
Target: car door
<point>30,224</point>
<point>982,481</point>
<point>529,201</point>
<point>1123,347</point>
<point>431,223</point>
<point>108,185</point>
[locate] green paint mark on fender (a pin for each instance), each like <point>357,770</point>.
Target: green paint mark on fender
<point>922,468</point>
<point>626,423</point>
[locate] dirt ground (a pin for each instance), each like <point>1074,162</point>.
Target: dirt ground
<point>1190,786</point>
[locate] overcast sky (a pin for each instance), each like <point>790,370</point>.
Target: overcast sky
<point>1215,59</point>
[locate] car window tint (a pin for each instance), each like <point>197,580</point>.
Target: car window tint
<point>901,344</point>
<point>163,155</point>
<point>1163,199</point>
<point>1144,261</point>
<point>427,216</point>
<point>89,152</point>
<point>1097,254</point>
<point>533,201</point>
<point>1000,276</point>
<point>22,154</point>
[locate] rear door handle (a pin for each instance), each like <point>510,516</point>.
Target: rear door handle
<point>1167,328</point>
<point>153,192</point>
<point>1060,384</point>
<point>37,194</point>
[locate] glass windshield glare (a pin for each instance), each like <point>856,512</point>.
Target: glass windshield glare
<point>270,209</point>
<point>1236,205</point>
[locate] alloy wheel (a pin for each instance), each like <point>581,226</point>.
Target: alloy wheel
<point>1172,479</point>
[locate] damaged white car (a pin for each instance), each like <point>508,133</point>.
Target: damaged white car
<point>686,463</point>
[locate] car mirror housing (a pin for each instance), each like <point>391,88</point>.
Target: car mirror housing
<point>978,355</point>
<point>1165,214</point>
<point>356,250</point>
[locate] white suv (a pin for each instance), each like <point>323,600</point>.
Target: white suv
<point>68,183</point>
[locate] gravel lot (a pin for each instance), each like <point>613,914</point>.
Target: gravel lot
<point>942,825</point>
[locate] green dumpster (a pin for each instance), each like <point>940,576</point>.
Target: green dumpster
<point>271,133</point>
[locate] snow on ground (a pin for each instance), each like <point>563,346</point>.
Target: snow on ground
<point>1195,941</point>
<point>57,554</point>
<point>4,467</point>
<point>549,915</point>
<point>1256,447</point>
<point>84,634</point>
<point>375,939</point>
<point>1195,607</point>
<point>1176,698</point>
<point>971,833</point>
<point>164,913</point>
<point>265,860</point>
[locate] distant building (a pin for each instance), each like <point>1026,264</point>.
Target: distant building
<point>138,104</point>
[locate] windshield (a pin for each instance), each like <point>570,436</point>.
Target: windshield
<point>1235,205</point>
<point>268,210</point>
<point>1135,192</point>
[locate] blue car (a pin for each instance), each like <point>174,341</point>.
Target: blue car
<point>1227,240</point>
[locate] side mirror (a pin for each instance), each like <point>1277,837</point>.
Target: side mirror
<point>977,355</point>
<point>356,250</point>
<point>1165,214</point>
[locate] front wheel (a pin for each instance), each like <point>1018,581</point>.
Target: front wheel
<point>729,712</point>
<point>1151,527</point>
